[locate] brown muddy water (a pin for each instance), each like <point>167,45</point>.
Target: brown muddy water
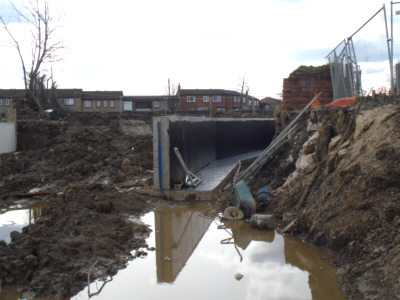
<point>197,257</point>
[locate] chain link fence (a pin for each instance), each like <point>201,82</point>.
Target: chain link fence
<point>362,62</point>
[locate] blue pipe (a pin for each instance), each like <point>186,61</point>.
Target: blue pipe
<point>159,156</point>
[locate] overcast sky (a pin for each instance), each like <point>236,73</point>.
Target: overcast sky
<point>135,46</point>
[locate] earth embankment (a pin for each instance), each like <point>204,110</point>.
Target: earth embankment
<point>337,180</point>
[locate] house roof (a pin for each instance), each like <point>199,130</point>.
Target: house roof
<point>68,93</point>
<point>12,93</point>
<point>271,100</point>
<point>209,92</point>
<point>102,95</point>
<point>150,98</point>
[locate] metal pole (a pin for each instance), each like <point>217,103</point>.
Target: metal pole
<point>368,21</point>
<point>389,52</point>
<point>391,41</point>
<point>209,101</point>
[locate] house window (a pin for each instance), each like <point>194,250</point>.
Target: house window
<point>68,101</point>
<point>98,103</point>
<point>128,105</point>
<point>7,101</point>
<point>250,102</point>
<point>244,100</point>
<point>191,98</point>
<point>88,103</point>
<point>216,98</point>
<point>156,103</point>
<point>235,99</point>
<point>1,101</point>
<point>205,99</point>
<point>111,103</point>
<point>105,103</point>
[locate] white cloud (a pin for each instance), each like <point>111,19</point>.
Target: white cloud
<point>135,46</point>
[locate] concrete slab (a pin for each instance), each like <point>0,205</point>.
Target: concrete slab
<point>215,172</point>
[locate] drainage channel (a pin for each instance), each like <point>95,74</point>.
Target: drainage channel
<point>197,257</point>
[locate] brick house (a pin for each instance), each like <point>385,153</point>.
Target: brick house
<point>102,101</point>
<point>150,103</point>
<point>303,83</point>
<point>214,100</point>
<point>69,99</point>
<point>89,101</point>
<point>9,96</point>
<point>269,104</point>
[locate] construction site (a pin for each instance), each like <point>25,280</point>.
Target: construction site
<point>303,203</point>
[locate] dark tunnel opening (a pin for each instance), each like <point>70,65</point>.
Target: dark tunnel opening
<point>203,141</point>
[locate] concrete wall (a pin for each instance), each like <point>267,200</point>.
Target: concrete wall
<point>8,132</point>
<point>201,141</point>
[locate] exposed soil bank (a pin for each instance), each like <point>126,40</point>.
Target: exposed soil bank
<point>88,163</point>
<point>341,183</point>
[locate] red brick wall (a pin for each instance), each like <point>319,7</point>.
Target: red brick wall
<point>226,101</point>
<point>301,86</point>
<point>102,108</point>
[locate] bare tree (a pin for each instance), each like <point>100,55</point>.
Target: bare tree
<point>172,88</point>
<point>44,50</point>
<point>243,86</point>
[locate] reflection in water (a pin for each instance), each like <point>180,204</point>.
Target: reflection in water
<point>16,218</point>
<point>11,293</point>
<point>178,231</point>
<point>322,278</point>
<point>196,265</point>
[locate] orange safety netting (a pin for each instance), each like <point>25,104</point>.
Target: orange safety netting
<point>316,103</point>
<point>342,102</point>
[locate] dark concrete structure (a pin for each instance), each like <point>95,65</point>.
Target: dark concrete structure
<point>202,141</point>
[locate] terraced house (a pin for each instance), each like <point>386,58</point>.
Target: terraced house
<point>114,101</point>
<point>215,100</point>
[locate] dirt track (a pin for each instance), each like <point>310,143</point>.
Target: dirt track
<point>343,190</point>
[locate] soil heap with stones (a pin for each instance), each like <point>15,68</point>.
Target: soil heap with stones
<point>86,167</point>
<point>337,184</point>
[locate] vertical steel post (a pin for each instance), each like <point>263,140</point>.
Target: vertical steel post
<point>391,43</point>
<point>389,52</point>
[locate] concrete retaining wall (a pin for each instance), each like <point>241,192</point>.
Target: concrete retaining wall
<point>8,131</point>
<point>201,141</point>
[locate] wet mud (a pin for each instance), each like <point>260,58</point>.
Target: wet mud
<point>85,168</point>
<point>336,182</point>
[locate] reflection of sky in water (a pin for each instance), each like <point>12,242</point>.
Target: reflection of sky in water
<point>11,221</point>
<point>15,217</point>
<point>209,272</point>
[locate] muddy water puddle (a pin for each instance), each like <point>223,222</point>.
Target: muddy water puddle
<point>200,258</point>
<point>197,257</point>
<point>17,217</point>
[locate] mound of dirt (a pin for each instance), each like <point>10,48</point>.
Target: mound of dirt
<point>82,148</point>
<point>343,192</point>
<point>89,165</point>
